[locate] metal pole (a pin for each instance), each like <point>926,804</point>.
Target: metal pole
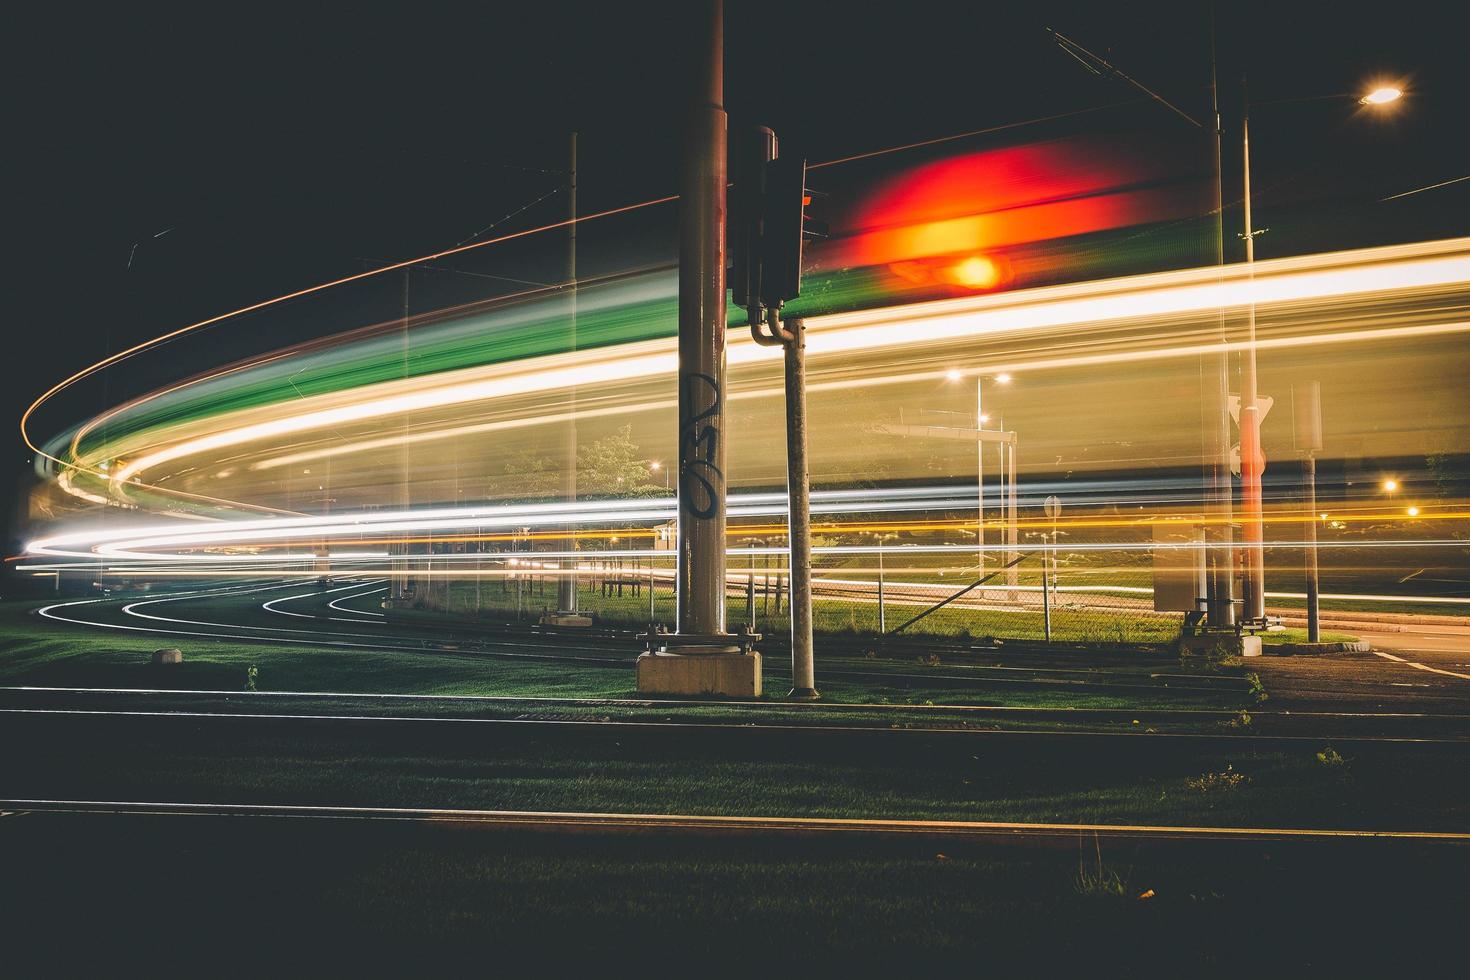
<point>1309,556</point>
<point>1046,586</point>
<point>1012,532</point>
<point>566,586</point>
<point>702,322</point>
<point>979,479</point>
<point>1251,462</point>
<point>750,592</point>
<point>882,618</point>
<point>1215,416</point>
<point>798,489</point>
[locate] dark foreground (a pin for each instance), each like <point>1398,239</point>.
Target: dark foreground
<point>246,895</point>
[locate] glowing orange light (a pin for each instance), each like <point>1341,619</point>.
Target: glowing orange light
<point>1390,485</point>
<point>1382,95</point>
<point>1413,511</point>
<point>976,272</point>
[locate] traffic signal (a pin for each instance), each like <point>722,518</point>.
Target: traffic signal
<point>753,150</point>
<point>785,217</point>
<point>767,222</point>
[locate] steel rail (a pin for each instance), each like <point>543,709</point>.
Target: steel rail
<point>724,825</point>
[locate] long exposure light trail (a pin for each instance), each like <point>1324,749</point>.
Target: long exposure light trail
<point>1335,276</point>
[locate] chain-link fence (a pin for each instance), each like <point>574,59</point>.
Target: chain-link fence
<point>1094,592</point>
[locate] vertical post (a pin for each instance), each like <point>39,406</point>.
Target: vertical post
<point>566,585</point>
<point>750,591</point>
<point>702,657</point>
<point>1012,532</point>
<point>1306,417</point>
<point>1252,463</point>
<point>1046,587</point>
<point>1215,417</point>
<point>798,489</point>
<point>979,480</point>
<point>702,321</point>
<point>1309,556</point>
<point>882,618</point>
<point>399,586</point>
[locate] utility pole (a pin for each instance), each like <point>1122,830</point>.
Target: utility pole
<point>1215,412</point>
<point>1252,460</point>
<point>701,657</point>
<point>566,584</point>
<point>1306,412</point>
<point>1214,369</point>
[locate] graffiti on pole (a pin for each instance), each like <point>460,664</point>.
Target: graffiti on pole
<point>699,443</point>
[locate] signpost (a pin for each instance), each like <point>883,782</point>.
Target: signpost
<point>1053,508</point>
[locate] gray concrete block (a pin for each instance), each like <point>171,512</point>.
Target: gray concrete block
<point>730,675</point>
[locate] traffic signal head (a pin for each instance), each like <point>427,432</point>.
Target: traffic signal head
<point>754,149</point>
<point>766,222</point>
<point>785,216</point>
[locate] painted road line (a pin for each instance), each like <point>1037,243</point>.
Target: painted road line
<point>1419,666</point>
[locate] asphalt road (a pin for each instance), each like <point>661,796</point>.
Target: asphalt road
<point>1418,665</point>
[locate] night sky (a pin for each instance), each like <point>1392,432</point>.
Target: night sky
<point>279,147</point>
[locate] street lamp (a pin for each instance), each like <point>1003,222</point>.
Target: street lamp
<point>1007,471</point>
<point>1382,96</point>
<point>1252,462</point>
<point>655,466</point>
<point>1389,486</point>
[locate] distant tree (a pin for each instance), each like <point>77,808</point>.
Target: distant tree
<point>527,476</point>
<point>614,466</point>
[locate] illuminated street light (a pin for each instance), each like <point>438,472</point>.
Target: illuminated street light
<point>1003,378</point>
<point>1389,486</point>
<point>953,374</point>
<point>1381,96</point>
<point>1413,511</point>
<point>1252,459</point>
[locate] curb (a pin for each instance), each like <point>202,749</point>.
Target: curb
<point>1314,649</point>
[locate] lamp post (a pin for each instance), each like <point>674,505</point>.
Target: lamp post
<point>1007,465</point>
<point>1007,492</point>
<point>1252,461</point>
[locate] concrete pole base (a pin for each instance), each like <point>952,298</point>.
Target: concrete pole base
<point>1235,646</point>
<point>728,675</point>
<point>804,694</point>
<point>566,619</point>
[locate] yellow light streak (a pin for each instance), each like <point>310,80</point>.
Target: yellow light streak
<point>1281,281</point>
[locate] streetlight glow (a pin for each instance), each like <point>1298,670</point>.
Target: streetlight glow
<point>953,374</point>
<point>1390,485</point>
<point>655,466</point>
<point>1413,511</point>
<point>1003,378</point>
<point>1382,95</point>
